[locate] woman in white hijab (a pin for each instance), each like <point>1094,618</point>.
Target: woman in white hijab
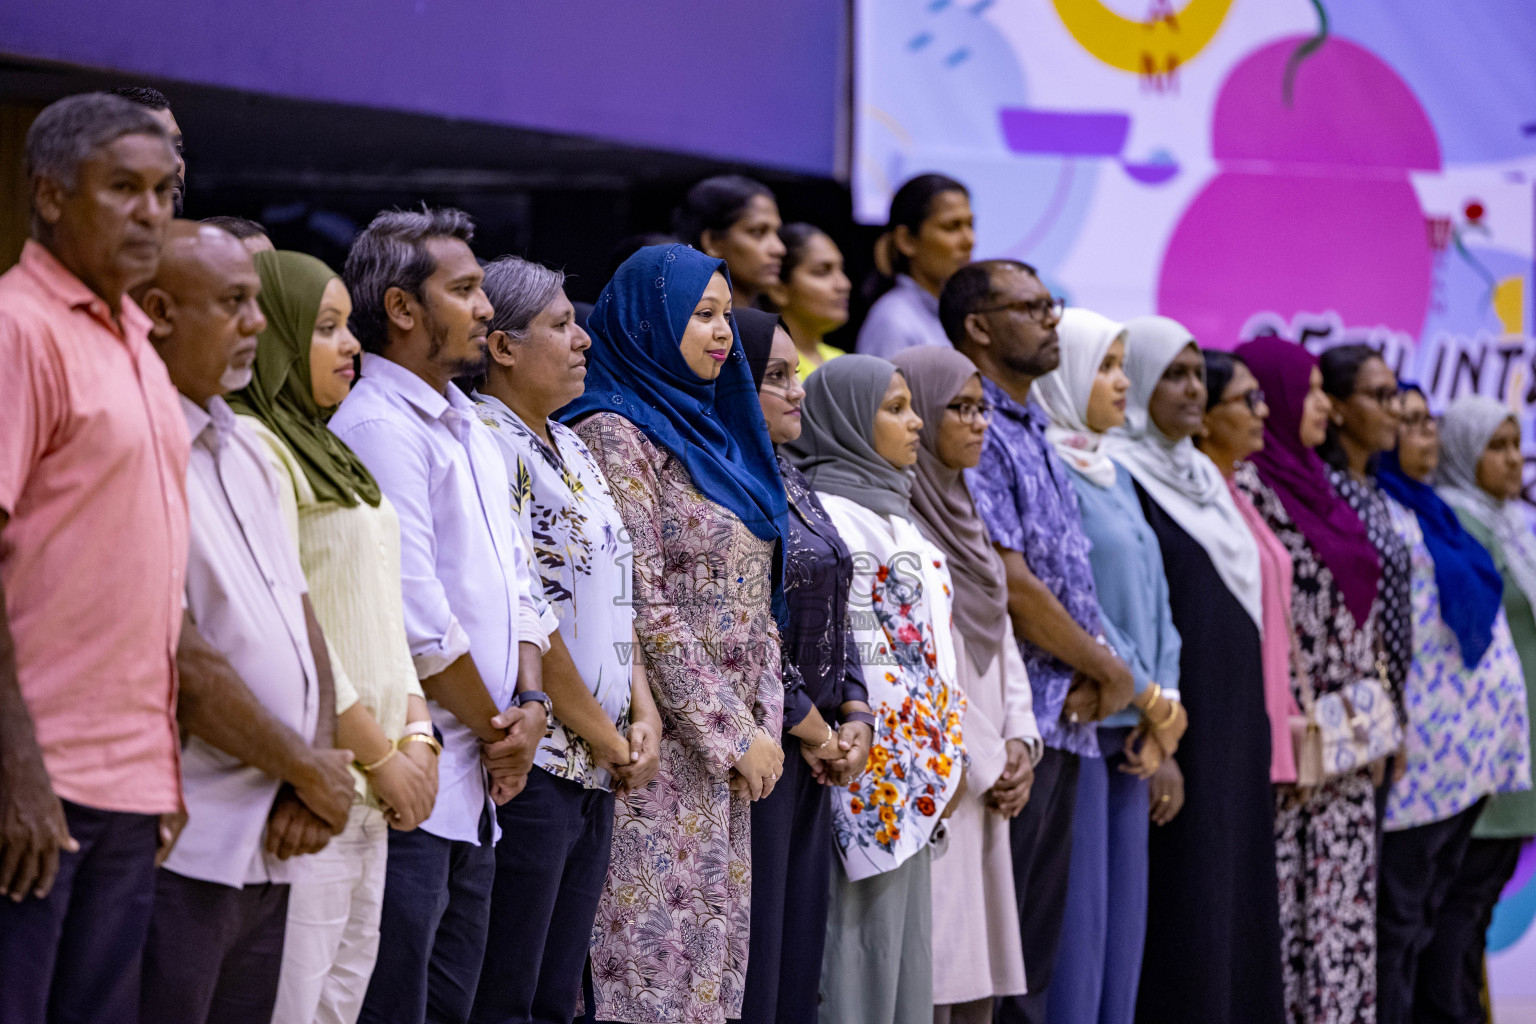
<point>1098,964</point>
<point>1481,466</point>
<point>1213,921</point>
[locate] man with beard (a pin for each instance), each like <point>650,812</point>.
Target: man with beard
<point>477,632</point>
<point>998,314</point>
<point>154,101</point>
<point>257,687</point>
<point>93,548</point>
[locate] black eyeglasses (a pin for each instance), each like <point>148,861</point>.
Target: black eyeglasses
<point>1418,423</point>
<point>970,412</point>
<point>1384,396</point>
<point>1042,311</point>
<point>1253,397</point>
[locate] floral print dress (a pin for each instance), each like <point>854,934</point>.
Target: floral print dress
<point>670,941</point>
<point>1466,734</point>
<point>1325,838</point>
<point>899,609</point>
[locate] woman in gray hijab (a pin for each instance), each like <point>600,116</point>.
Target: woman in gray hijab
<point>977,952</point>
<point>858,443</point>
<point>1481,467</point>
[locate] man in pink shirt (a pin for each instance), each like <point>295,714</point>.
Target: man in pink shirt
<point>93,549</point>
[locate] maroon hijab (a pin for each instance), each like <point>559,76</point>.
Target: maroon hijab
<point>1300,478</point>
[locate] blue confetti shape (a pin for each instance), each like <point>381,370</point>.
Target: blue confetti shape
<point>919,41</point>
<point>980,6</point>
<point>937,5</point>
<point>958,57</point>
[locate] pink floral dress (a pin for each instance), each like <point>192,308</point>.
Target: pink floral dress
<point>670,940</point>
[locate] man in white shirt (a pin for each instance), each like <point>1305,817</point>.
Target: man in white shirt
<point>476,629</point>
<point>221,898</point>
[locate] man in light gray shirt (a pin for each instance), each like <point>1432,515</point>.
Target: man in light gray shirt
<point>221,896</point>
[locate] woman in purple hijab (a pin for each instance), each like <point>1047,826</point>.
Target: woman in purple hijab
<point>1325,836</point>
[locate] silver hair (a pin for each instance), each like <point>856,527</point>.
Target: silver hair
<point>519,290</point>
<point>68,132</point>
<point>390,253</point>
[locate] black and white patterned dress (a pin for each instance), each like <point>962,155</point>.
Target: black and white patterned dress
<point>1396,588</point>
<point>1325,840</point>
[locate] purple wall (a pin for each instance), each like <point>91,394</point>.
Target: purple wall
<point>751,80</point>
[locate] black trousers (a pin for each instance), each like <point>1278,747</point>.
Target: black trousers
<point>437,908</point>
<point>73,956</point>
<point>1042,855</point>
<point>1418,868</point>
<point>215,952</point>
<point>1450,983</point>
<point>791,890</point>
<point>551,864</point>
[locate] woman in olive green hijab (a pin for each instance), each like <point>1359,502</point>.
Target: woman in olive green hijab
<point>348,537</point>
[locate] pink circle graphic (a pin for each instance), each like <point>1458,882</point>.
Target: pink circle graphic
<point>1312,212</point>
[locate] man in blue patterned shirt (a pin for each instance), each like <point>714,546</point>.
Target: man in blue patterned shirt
<point>999,314</point>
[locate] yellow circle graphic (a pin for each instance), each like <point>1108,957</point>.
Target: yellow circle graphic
<point>1157,46</point>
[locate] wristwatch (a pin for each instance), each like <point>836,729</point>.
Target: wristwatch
<point>543,698</point>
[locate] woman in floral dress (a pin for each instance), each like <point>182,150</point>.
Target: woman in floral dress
<point>858,443</point>
<point>1325,837</point>
<point>1466,732</point>
<point>671,416</point>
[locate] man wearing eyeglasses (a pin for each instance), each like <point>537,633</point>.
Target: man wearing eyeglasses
<point>999,314</point>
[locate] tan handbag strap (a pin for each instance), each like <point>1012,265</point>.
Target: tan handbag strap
<point>1303,678</point>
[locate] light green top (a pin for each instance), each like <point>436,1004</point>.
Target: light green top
<point>1511,815</point>
<point>351,560</point>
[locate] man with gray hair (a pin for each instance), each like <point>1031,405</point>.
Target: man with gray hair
<point>93,554</point>
<point>477,631</point>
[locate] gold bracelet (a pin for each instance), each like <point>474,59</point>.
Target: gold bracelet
<point>1173,712</point>
<point>368,769</point>
<point>416,737</point>
<point>1157,691</point>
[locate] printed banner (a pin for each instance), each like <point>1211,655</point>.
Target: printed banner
<point>1320,170</point>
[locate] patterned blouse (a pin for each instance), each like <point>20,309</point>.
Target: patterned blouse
<point>1466,734</point>
<point>1024,493</point>
<point>670,940</point>
<point>818,572</point>
<point>1396,604</point>
<point>581,555</point>
<point>900,608</point>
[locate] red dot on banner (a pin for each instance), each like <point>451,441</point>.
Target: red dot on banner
<point>1474,211</point>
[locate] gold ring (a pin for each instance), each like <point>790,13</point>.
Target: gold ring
<point>1164,798</point>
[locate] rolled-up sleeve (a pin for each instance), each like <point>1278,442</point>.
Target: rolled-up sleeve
<point>403,472</point>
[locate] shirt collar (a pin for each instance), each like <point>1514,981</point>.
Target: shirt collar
<point>57,280</point>
<point>500,411</point>
<point>1026,412</point>
<point>209,427</point>
<point>929,300</point>
<point>416,391</point>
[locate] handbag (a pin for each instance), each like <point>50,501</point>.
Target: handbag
<point>1342,732</point>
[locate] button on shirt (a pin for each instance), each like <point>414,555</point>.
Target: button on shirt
<point>245,591</point>
<point>93,461</point>
<point>905,317</point>
<point>467,584</point>
<point>1024,493</point>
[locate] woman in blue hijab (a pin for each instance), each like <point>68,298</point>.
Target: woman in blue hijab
<point>671,414</point>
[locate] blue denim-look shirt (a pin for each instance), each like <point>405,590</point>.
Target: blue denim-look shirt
<point>1025,495</point>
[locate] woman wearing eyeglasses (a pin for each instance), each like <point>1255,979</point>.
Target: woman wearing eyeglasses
<point>977,952</point>
<point>1466,740</point>
<point>1213,919</point>
<point>1362,425</point>
<point>1098,963</point>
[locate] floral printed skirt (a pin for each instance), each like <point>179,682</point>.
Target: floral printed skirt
<point>1325,846</point>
